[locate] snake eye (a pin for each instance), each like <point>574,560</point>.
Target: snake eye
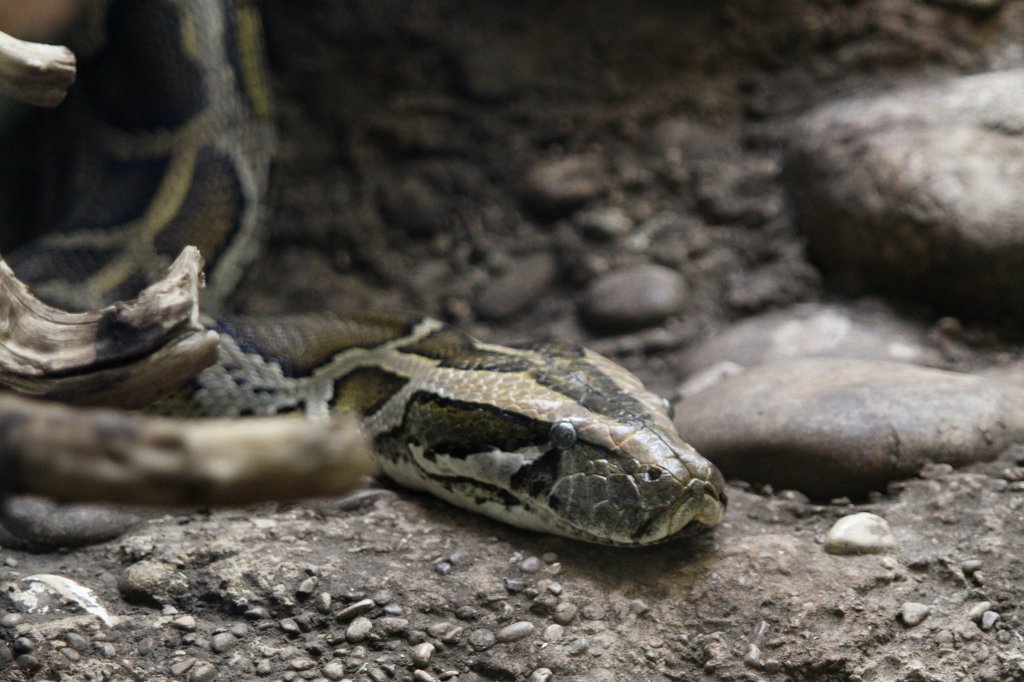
<point>563,435</point>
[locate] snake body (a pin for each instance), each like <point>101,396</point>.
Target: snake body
<point>174,140</point>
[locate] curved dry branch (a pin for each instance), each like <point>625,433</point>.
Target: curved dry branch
<point>127,355</point>
<point>78,454</point>
<point>35,73</point>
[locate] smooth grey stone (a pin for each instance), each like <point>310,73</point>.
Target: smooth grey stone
<point>514,290</point>
<point>860,533</point>
<point>913,613</point>
<point>867,331</point>
<point>633,298</point>
<point>833,427</point>
<point>37,524</point>
<point>152,580</point>
<point>557,187</point>
<point>604,223</point>
<point>917,192</point>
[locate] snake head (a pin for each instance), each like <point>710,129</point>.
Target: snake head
<point>551,438</point>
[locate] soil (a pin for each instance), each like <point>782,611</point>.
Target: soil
<point>408,134</point>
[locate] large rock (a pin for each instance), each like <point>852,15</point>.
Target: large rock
<point>866,331</point>
<point>919,192</point>
<point>834,427</point>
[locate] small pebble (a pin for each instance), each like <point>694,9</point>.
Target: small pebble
<point>530,564</point>
<point>515,631</point>
<point>438,629</point>
<point>541,675</point>
<point>301,663</point>
<point>382,597</point>
<point>358,629</point>
<point>290,626</point>
<point>553,632</point>
<point>565,613</point>
<point>633,298</point>
<point>184,623</point>
<point>549,557</point>
<point>604,223</point>
<point>10,562</point>
<point>10,620</point>
<point>334,671</point>
<point>181,667</point>
<point>323,602</point>
<point>860,533</point>
<point>481,639</point>
<point>421,654</point>
<point>558,186</point>
<point>988,619</point>
<point>423,676</point>
<point>576,646</point>
<point>257,613</point>
<point>970,566</point>
<point>511,584</point>
<point>978,610</point>
<point>222,642</point>
<point>306,587</point>
<point>913,613</point>
<point>28,663</point>
<point>393,626</point>
<point>639,607</point>
<point>555,589</point>
<point>202,672</point>
<point>356,609</point>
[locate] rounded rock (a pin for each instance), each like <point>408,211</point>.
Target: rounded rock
<point>860,533</point>
<point>831,427</point>
<point>222,642</point>
<point>913,613</point>
<point>917,192</point>
<point>481,639</point>
<point>541,675</point>
<point>358,630</point>
<point>517,288</point>
<point>565,613</point>
<point>422,653</point>
<point>530,564</point>
<point>40,524</point>
<point>633,298</point>
<point>988,620</point>
<point>515,632</point>
<point>202,672</point>
<point>557,187</point>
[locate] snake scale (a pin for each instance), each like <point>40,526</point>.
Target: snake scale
<point>172,145</point>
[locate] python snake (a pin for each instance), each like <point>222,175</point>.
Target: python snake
<point>173,140</point>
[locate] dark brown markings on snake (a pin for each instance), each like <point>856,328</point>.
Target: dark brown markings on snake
<point>458,350</point>
<point>471,487</point>
<point>537,477</point>
<point>211,213</point>
<point>41,262</point>
<point>118,191</point>
<point>443,426</point>
<point>302,343</point>
<point>142,79</point>
<point>366,389</point>
<point>580,381</point>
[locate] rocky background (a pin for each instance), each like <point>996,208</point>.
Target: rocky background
<point>802,221</point>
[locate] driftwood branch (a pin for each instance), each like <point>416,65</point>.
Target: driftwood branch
<point>35,73</point>
<point>128,355</point>
<point>125,355</point>
<point>77,454</point>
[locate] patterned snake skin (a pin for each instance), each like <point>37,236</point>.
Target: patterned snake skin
<point>173,140</point>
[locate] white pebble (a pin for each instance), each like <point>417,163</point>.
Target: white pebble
<point>860,533</point>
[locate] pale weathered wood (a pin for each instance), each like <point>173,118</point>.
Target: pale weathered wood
<point>127,355</point>
<point>73,454</point>
<point>35,73</point>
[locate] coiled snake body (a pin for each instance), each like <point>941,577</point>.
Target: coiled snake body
<point>173,146</point>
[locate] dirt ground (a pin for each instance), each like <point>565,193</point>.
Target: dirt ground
<point>409,134</point>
